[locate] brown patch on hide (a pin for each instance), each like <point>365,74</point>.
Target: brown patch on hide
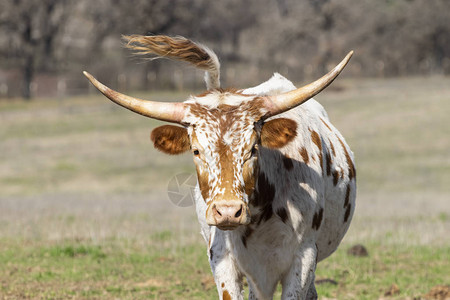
<point>335,177</point>
<point>226,175</point>
<point>287,162</point>
<point>178,48</point>
<point>328,163</point>
<point>347,196</point>
<point>248,231</point>
<point>305,155</point>
<point>278,132</point>
<point>316,140</point>
<point>170,139</point>
<point>325,123</point>
<point>332,148</point>
<point>347,213</point>
<point>226,295</point>
<point>250,178</point>
<point>282,213</point>
<point>203,183</point>
<point>317,219</point>
<point>223,284</point>
<point>351,166</point>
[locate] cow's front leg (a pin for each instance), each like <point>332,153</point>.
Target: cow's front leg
<point>300,277</point>
<point>251,291</point>
<point>228,278</point>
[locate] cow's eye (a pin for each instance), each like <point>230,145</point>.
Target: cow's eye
<point>196,152</point>
<point>254,150</point>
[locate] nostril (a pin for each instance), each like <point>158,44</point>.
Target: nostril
<point>239,212</point>
<point>215,211</point>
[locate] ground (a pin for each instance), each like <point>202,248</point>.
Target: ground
<point>84,211</point>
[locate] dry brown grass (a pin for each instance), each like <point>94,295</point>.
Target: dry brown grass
<point>86,161</point>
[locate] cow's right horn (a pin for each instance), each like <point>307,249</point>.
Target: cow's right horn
<point>169,112</point>
<point>280,103</point>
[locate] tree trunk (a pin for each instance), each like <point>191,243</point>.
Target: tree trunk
<point>28,72</point>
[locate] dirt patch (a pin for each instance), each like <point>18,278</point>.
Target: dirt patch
<point>392,291</point>
<point>208,282</point>
<point>439,292</point>
<point>358,250</point>
<point>152,282</point>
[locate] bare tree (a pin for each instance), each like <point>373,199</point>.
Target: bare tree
<point>390,38</point>
<point>29,30</point>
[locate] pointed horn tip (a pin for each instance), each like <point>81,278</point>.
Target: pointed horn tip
<point>97,84</point>
<point>88,76</point>
<point>344,62</point>
<point>348,56</point>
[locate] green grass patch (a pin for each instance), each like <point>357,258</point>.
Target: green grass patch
<point>114,269</point>
<point>414,270</point>
<point>126,270</point>
<point>73,251</point>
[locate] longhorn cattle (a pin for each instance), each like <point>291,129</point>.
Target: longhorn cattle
<point>276,180</point>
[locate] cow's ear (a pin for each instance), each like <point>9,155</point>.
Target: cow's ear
<point>278,132</point>
<point>170,139</point>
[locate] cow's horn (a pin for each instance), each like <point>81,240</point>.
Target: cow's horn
<point>170,112</point>
<point>280,103</point>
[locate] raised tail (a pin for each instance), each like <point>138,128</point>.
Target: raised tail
<point>179,48</point>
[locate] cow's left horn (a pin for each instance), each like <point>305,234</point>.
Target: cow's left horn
<point>280,103</point>
<point>169,112</point>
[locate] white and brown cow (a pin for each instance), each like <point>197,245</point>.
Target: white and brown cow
<point>276,180</point>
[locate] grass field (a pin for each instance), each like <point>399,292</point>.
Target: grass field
<point>84,211</point>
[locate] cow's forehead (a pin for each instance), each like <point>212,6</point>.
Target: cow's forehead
<point>223,107</point>
<point>224,117</point>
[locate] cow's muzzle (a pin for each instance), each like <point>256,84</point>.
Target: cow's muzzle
<point>227,214</point>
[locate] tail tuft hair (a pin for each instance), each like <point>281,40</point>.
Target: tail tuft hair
<point>178,48</point>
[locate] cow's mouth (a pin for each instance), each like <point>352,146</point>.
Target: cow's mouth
<point>228,226</point>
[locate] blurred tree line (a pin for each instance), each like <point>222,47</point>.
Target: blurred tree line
<point>45,44</point>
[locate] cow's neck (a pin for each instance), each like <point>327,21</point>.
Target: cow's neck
<point>268,175</point>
